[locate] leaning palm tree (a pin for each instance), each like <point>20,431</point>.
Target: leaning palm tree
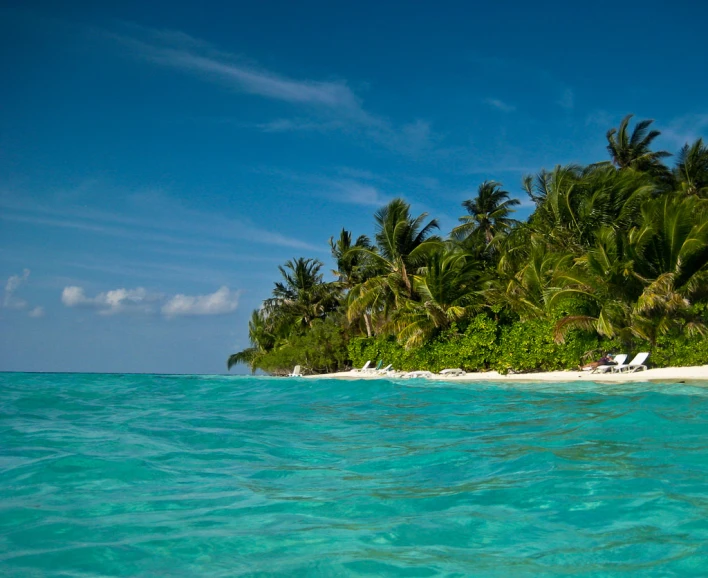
<point>632,150</point>
<point>262,340</point>
<point>488,212</point>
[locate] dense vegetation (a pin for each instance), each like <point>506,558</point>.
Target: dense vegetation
<point>614,257</point>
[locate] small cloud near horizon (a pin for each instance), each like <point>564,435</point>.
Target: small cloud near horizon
<point>220,302</point>
<point>139,300</point>
<point>14,282</point>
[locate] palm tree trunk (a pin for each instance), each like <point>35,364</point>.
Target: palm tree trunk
<point>367,322</point>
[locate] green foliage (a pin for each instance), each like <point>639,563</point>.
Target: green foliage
<point>614,258</point>
<point>323,349</point>
<point>485,345</point>
<point>530,346</point>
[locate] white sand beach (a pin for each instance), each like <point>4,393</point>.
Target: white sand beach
<point>673,374</point>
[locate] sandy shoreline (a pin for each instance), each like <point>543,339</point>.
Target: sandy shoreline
<point>699,373</point>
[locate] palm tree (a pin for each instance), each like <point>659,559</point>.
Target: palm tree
<point>605,279</point>
<point>353,266</point>
<point>302,296</point>
<point>488,212</point>
<point>262,340</point>
<point>673,245</point>
<point>692,168</point>
<point>632,150</point>
<point>449,288</point>
<point>402,243</point>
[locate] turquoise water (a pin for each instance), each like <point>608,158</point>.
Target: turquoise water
<point>148,475</point>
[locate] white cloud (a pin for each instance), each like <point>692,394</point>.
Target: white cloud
<point>111,302</point>
<point>14,282</point>
<point>329,104</point>
<point>139,300</point>
<point>357,193</point>
<point>499,104</point>
<point>37,312</point>
<point>218,303</point>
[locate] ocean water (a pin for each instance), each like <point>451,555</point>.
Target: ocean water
<point>151,475</point>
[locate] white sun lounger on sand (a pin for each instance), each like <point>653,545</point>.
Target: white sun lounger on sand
<point>620,359</point>
<point>637,364</point>
<point>457,372</point>
<point>297,372</point>
<point>416,374</point>
<point>385,369</point>
<point>365,368</point>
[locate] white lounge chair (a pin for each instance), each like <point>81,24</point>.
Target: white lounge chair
<point>385,370</point>
<point>374,369</point>
<point>365,368</point>
<point>417,374</point>
<point>637,364</point>
<point>620,359</point>
<point>457,372</point>
<point>297,372</point>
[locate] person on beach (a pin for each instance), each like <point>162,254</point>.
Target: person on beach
<point>604,360</point>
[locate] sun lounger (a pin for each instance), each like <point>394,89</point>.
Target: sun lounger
<point>365,368</point>
<point>385,369</point>
<point>637,364</point>
<point>297,372</point>
<point>457,372</point>
<point>417,374</point>
<point>620,359</point>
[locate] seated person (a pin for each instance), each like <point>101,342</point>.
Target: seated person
<point>604,360</point>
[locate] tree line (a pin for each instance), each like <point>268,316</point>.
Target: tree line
<point>614,256</point>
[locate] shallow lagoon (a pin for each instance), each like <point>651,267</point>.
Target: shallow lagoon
<point>125,475</point>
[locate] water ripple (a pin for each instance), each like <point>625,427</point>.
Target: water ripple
<point>139,475</point>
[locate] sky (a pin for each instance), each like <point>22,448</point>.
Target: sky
<point>159,160</point>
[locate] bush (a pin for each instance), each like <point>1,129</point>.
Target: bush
<point>679,351</point>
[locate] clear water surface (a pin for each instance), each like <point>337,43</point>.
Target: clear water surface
<point>149,475</point>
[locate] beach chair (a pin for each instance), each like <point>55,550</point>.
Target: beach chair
<point>385,369</point>
<point>365,368</point>
<point>620,359</point>
<point>297,372</point>
<point>417,375</point>
<point>637,364</point>
<point>374,369</point>
<point>457,372</point>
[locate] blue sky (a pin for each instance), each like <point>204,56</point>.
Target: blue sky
<point>159,160</point>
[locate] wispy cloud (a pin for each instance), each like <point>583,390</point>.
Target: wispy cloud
<point>12,301</point>
<point>111,302</point>
<point>329,104</point>
<point>299,124</point>
<point>139,300</point>
<point>183,227</point>
<point>14,282</point>
<point>499,104</point>
<point>36,312</point>
<point>221,302</point>
<point>567,99</point>
<point>685,129</point>
<point>357,193</point>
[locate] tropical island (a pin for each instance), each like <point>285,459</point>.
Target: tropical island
<point>614,257</point>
